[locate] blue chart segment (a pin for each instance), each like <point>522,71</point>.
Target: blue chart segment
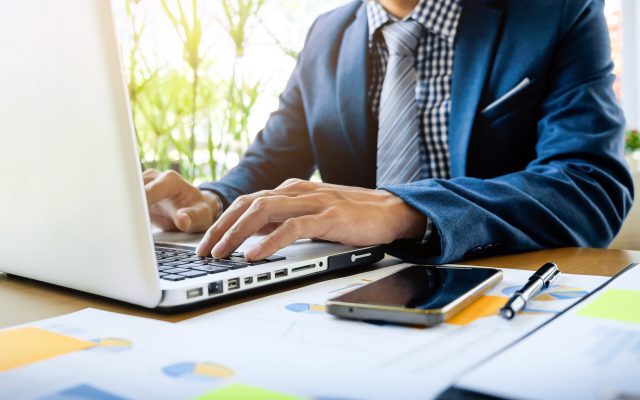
<point>306,308</point>
<point>198,371</point>
<point>553,293</point>
<point>83,392</point>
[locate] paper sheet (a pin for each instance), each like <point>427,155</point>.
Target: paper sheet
<point>430,358</point>
<point>591,352</point>
<point>281,346</point>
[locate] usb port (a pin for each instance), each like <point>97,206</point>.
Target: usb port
<point>197,292</point>
<point>248,280</point>
<point>215,288</point>
<point>233,284</point>
<point>298,269</point>
<point>281,273</point>
<point>264,277</point>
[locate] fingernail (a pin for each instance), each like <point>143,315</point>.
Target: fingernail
<point>220,249</point>
<point>200,249</point>
<point>253,252</point>
<point>185,220</point>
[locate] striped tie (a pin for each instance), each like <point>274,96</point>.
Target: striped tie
<point>398,129</point>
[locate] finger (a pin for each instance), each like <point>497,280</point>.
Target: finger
<point>261,212</point>
<point>165,186</point>
<point>226,220</point>
<point>149,175</point>
<point>162,221</point>
<point>289,231</point>
<point>196,218</point>
<point>268,228</point>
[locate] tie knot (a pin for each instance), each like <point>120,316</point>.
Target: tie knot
<point>402,37</point>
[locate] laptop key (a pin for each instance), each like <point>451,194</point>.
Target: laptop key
<point>175,263</point>
<point>193,274</point>
<point>210,269</point>
<point>190,265</point>
<point>173,277</point>
<point>275,257</point>
<point>176,270</point>
<point>234,265</point>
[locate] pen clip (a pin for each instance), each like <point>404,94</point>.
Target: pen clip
<point>552,278</point>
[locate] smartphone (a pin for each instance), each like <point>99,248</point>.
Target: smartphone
<point>423,295</point>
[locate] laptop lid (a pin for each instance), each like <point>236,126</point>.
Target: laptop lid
<point>72,209</point>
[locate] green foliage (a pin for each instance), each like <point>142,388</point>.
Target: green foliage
<point>185,120</point>
<point>192,108</point>
<point>633,140</point>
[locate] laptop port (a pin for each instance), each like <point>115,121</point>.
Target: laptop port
<point>233,284</point>
<point>215,288</point>
<point>197,292</point>
<point>281,273</point>
<point>304,267</point>
<point>248,280</point>
<point>263,277</point>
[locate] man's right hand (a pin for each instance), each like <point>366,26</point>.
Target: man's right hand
<point>175,204</point>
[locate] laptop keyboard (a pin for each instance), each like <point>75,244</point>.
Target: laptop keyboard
<point>179,264</point>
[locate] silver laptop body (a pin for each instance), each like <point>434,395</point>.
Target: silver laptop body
<point>72,206</point>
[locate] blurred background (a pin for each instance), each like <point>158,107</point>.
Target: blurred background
<point>204,75</point>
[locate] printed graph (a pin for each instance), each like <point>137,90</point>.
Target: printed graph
<point>306,308</point>
<point>198,371</point>
<point>112,345</point>
<point>85,392</point>
<point>553,293</point>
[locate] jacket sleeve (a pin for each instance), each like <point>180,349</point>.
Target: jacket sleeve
<point>280,151</point>
<point>577,190</point>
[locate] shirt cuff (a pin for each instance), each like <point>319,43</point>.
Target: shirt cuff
<point>219,203</point>
<point>427,233</point>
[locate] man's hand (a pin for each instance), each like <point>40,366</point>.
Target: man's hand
<point>300,209</point>
<point>174,204</point>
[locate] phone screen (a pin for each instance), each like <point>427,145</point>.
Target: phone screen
<point>419,286</point>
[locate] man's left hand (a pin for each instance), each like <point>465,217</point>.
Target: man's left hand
<point>300,209</point>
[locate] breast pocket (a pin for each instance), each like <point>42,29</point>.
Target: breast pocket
<point>521,95</point>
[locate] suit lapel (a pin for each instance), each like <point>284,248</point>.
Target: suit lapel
<point>475,44</point>
<point>352,97</point>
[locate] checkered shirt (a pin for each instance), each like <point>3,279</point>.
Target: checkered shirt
<point>434,66</point>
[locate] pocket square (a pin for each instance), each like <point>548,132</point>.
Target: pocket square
<point>525,82</point>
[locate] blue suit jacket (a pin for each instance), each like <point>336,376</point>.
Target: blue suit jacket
<point>542,169</point>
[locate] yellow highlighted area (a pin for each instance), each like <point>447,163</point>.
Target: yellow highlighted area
<point>485,306</point>
<point>615,304</point>
<point>24,346</point>
<point>213,370</point>
<point>244,392</point>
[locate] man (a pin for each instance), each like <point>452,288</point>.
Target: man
<point>486,126</point>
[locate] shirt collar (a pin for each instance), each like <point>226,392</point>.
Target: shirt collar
<point>439,17</point>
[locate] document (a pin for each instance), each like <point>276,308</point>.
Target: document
<point>428,358</point>
<point>590,352</point>
<point>281,347</point>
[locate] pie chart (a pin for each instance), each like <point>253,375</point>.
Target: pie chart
<point>306,308</point>
<point>553,293</point>
<point>112,345</point>
<point>198,371</point>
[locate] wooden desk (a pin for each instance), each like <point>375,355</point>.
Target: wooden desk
<point>23,300</point>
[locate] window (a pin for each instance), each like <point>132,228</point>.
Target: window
<point>623,17</point>
<point>204,75</point>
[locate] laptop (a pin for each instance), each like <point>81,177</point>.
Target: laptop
<point>73,210</point>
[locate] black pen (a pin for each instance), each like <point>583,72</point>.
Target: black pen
<point>540,279</point>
